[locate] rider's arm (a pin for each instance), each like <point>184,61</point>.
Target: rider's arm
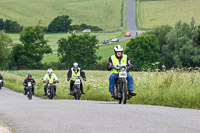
<point>33,82</point>
<point>45,77</point>
<point>55,77</point>
<point>25,82</point>
<point>129,63</point>
<point>82,74</point>
<point>69,74</point>
<point>109,64</point>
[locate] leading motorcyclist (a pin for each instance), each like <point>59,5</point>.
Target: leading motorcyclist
<point>50,76</point>
<point>116,59</point>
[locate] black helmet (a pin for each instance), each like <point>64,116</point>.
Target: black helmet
<point>29,75</point>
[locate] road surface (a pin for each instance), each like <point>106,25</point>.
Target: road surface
<point>70,116</point>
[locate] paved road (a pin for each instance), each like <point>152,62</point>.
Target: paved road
<point>130,20</point>
<point>69,116</point>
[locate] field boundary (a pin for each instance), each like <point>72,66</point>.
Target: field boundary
<point>4,125</point>
<point>138,24</point>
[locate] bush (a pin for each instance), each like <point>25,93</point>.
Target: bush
<point>143,51</point>
<point>84,26</point>
<point>10,26</point>
<point>180,50</point>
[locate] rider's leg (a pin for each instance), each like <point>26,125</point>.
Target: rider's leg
<point>71,85</point>
<point>55,90</point>
<point>45,89</point>
<point>82,88</point>
<point>25,90</point>
<point>130,84</point>
<point>112,80</point>
<point>33,90</point>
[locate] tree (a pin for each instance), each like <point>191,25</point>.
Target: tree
<point>30,53</point>
<point>1,24</point>
<point>180,49</point>
<point>60,24</point>
<point>143,51</point>
<point>78,48</point>
<point>160,33</point>
<point>12,26</point>
<point>5,41</point>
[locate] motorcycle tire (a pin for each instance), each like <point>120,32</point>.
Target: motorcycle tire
<point>124,93</point>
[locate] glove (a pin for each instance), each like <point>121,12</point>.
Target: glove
<point>84,79</point>
<point>130,66</point>
<point>68,79</point>
<point>57,81</point>
<point>111,67</point>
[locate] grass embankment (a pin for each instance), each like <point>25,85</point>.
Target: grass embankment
<point>164,88</point>
<point>102,13</point>
<point>160,12</point>
<point>53,38</point>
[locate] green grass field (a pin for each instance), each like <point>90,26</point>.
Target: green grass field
<point>104,51</point>
<point>103,13</point>
<point>53,38</point>
<point>160,12</point>
<point>177,89</point>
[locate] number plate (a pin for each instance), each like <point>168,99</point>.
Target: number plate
<point>122,74</point>
<point>78,81</point>
<point>29,84</point>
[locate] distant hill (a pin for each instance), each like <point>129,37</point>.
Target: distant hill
<point>105,14</point>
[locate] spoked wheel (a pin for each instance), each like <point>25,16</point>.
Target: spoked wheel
<point>120,101</point>
<point>124,94</point>
<point>76,96</point>
<point>30,94</point>
<point>51,93</point>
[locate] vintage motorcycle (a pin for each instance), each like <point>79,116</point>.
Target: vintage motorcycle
<point>121,92</point>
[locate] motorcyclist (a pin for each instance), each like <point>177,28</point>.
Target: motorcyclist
<point>119,58</point>
<point>1,78</point>
<point>28,79</point>
<point>49,76</point>
<point>72,74</point>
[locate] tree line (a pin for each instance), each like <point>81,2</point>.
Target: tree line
<point>167,47</point>
<point>163,46</point>
<point>58,24</point>
<point>10,26</point>
<point>29,53</point>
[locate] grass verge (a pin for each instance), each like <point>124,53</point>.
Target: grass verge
<point>177,89</point>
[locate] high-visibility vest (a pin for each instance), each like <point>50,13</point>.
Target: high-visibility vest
<point>116,62</point>
<point>74,74</point>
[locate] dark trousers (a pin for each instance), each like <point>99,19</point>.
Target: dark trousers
<point>72,84</point>
<point>45,88</point>
<point>25,90</point>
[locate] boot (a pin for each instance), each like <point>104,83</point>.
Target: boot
<point>131,93</point>
<point>33,91</point>
<point>82,92</point>
<point>112,94</point>
<point>55,92</point>
<point>25,92</point>
<point>70,93</point>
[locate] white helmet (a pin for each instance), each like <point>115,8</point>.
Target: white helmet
<point>75,64</point>
<point>49,71</point>
<point>118,48</point>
